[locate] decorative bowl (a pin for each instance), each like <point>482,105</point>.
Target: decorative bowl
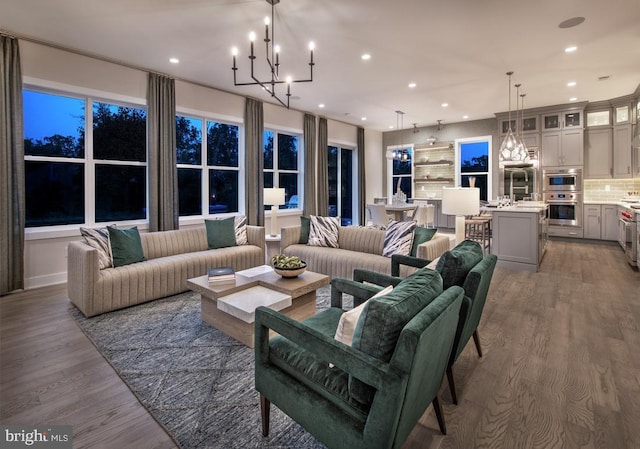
<point>290,272</point>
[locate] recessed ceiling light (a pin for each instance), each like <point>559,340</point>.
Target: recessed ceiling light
<point>464,117</point>
<point>444,105</point>
<point>174,60</point>
<point>571,83</point>
<point>321,105</point>
<point>573,99</point>
<point>570,49</point>
<point>390,126</point>
<point>364,119</point>
<point>412,85</point>
<point>572,22</point>
<point>366,57</point>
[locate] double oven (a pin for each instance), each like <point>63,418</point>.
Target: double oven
<point>562,191</point>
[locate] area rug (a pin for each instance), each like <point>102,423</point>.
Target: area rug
<point>197,382</point>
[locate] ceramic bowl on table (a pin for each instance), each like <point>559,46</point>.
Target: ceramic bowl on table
<point>290,272</point>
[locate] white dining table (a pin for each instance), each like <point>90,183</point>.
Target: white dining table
<point>399,211</point>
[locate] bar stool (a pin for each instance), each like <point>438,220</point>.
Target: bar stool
<point>478,228</point>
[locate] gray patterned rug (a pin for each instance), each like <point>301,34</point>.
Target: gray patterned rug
<point>194,380</point>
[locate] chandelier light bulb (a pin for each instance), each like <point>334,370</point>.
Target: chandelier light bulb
<point>267,21</point>
<point>234,51</point>
<point>252,36</point>
<point>312,46</point>
<point>288,80</point>
<point>276,49</point>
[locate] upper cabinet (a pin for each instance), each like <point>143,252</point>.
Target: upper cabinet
<point>527,124</point>
<point>622,160</point>
<point>556,121</point>
<point>562,137</point>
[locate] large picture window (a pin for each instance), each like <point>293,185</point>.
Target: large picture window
<point>474,156</point>
<point>400,172</point>
<point>282,166</point>
<point>75,177</point>
<point>209,166</point>
<point>341,183</point>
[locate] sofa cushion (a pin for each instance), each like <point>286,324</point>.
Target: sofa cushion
<point>240,229</point>
<point>324,231</point>
<point>305,225</point>
<point>98,238</point>
<point>383,319</point>
<point>455,264</point>
<point>421,235</point>
<point>126,246</point>
<point>398,238</point>
<point>221,233</point>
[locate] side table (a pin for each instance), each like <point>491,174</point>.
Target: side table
<point>272,243</point>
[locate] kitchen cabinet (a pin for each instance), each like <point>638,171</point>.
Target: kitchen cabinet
<point>554,121</point>
<point>609,222</point>
<point>622,161</point>
<point>598,153</point>
<point>592,216</point>
<point>528,124</point>
<point>520,237</point>
<point>562,148</point>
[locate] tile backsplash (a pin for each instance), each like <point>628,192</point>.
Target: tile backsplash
<point>609,189</point>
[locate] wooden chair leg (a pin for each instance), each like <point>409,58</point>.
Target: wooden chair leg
<point>476,340</point>
<point>265,409</point>
<point>452,385</point>
<point>439,415</point>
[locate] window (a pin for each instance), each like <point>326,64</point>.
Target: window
<point>341,184</point>
<point>281,166</point>
<point>75,177</point>
<point>401,173</point>
<point>474,155</point>
<point>217,173</point>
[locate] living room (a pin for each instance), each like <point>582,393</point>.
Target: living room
<point>56,69</point>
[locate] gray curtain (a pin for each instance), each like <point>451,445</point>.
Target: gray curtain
<point>362,193</point>
<point>309,165</point>
<point>163,174</point>
<point>323,173</point>
<point>12,202</point>
<point>254,147</point>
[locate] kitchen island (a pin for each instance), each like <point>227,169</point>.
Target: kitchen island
<point>520,235</point>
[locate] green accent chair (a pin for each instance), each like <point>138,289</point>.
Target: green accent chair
<point>371,394</point>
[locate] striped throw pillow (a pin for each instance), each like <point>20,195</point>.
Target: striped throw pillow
<point>398,238</point>
<point>98,238</point>
<point>240,227</point>
<point>323,231</point>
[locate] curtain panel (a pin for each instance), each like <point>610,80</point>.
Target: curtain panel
<point>322,187</point>
<point>310,164</point>
<point>161,138</point>
<point>254,147</point>
<point>362,194</point>
<point>12,190</point>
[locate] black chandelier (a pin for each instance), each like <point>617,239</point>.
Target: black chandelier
<point>273,61</point>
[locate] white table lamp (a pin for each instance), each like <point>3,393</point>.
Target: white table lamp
<point>460,201</point>
<point>274,197</point>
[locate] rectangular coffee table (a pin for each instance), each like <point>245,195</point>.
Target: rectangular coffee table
<point>234,316</point>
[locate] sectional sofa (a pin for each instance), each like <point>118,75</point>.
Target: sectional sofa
<point>172,257</point>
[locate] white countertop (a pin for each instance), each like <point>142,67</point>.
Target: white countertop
<point>520,209</point>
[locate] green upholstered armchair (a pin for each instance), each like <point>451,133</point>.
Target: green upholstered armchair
<point>371,394</point>
<point>466,266</point>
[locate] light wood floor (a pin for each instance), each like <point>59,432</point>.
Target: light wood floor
<point>561,365</point>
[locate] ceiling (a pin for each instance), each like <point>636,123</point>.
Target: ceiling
<point>456,51</point>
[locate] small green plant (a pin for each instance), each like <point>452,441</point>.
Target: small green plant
<point>282,261</point>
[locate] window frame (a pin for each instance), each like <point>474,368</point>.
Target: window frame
<point>390,175</point>
<point>458,162</point>
<point>355,219</point>
<point>204,168</point>
<point>283,210</point>
<point>89,96</point>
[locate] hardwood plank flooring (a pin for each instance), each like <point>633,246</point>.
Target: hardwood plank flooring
<point>561,365</point>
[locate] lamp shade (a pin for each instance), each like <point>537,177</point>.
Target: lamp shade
<point>273,196</point>
<point>460,201</point>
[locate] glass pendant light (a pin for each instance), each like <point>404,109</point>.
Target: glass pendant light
<point>509,143</point>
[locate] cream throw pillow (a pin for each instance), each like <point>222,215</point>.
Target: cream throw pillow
<point>349,319</point>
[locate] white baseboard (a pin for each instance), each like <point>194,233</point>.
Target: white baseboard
<point>45,281</point>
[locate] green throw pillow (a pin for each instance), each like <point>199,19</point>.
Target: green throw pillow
<point>455,264</point>
<point>221,233</point>
<point>305,226</point>
<point>421,235</point>
<point>126,246</point>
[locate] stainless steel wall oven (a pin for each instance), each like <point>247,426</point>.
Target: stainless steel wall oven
<point>565,208</point>
<point>564,180</point>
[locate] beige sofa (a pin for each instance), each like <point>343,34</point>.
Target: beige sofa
<point>172,258</point>
<point>359,247</point>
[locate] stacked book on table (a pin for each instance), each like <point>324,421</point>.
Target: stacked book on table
<point>221,275</point>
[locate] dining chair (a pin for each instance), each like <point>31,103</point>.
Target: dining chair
<point>378,215</point>
<point>425,215</point>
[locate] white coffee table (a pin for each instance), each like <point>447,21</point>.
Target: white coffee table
<point>230,307</point>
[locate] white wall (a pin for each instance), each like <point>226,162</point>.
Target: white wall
<point>48,67</point>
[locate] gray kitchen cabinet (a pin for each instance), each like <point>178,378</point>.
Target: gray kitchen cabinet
<point>519,237</point>
<point>609,222</point>
<point>598,153</point>
<point>622,161</point>
<point>592,216</point>
<point>560,148</point>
